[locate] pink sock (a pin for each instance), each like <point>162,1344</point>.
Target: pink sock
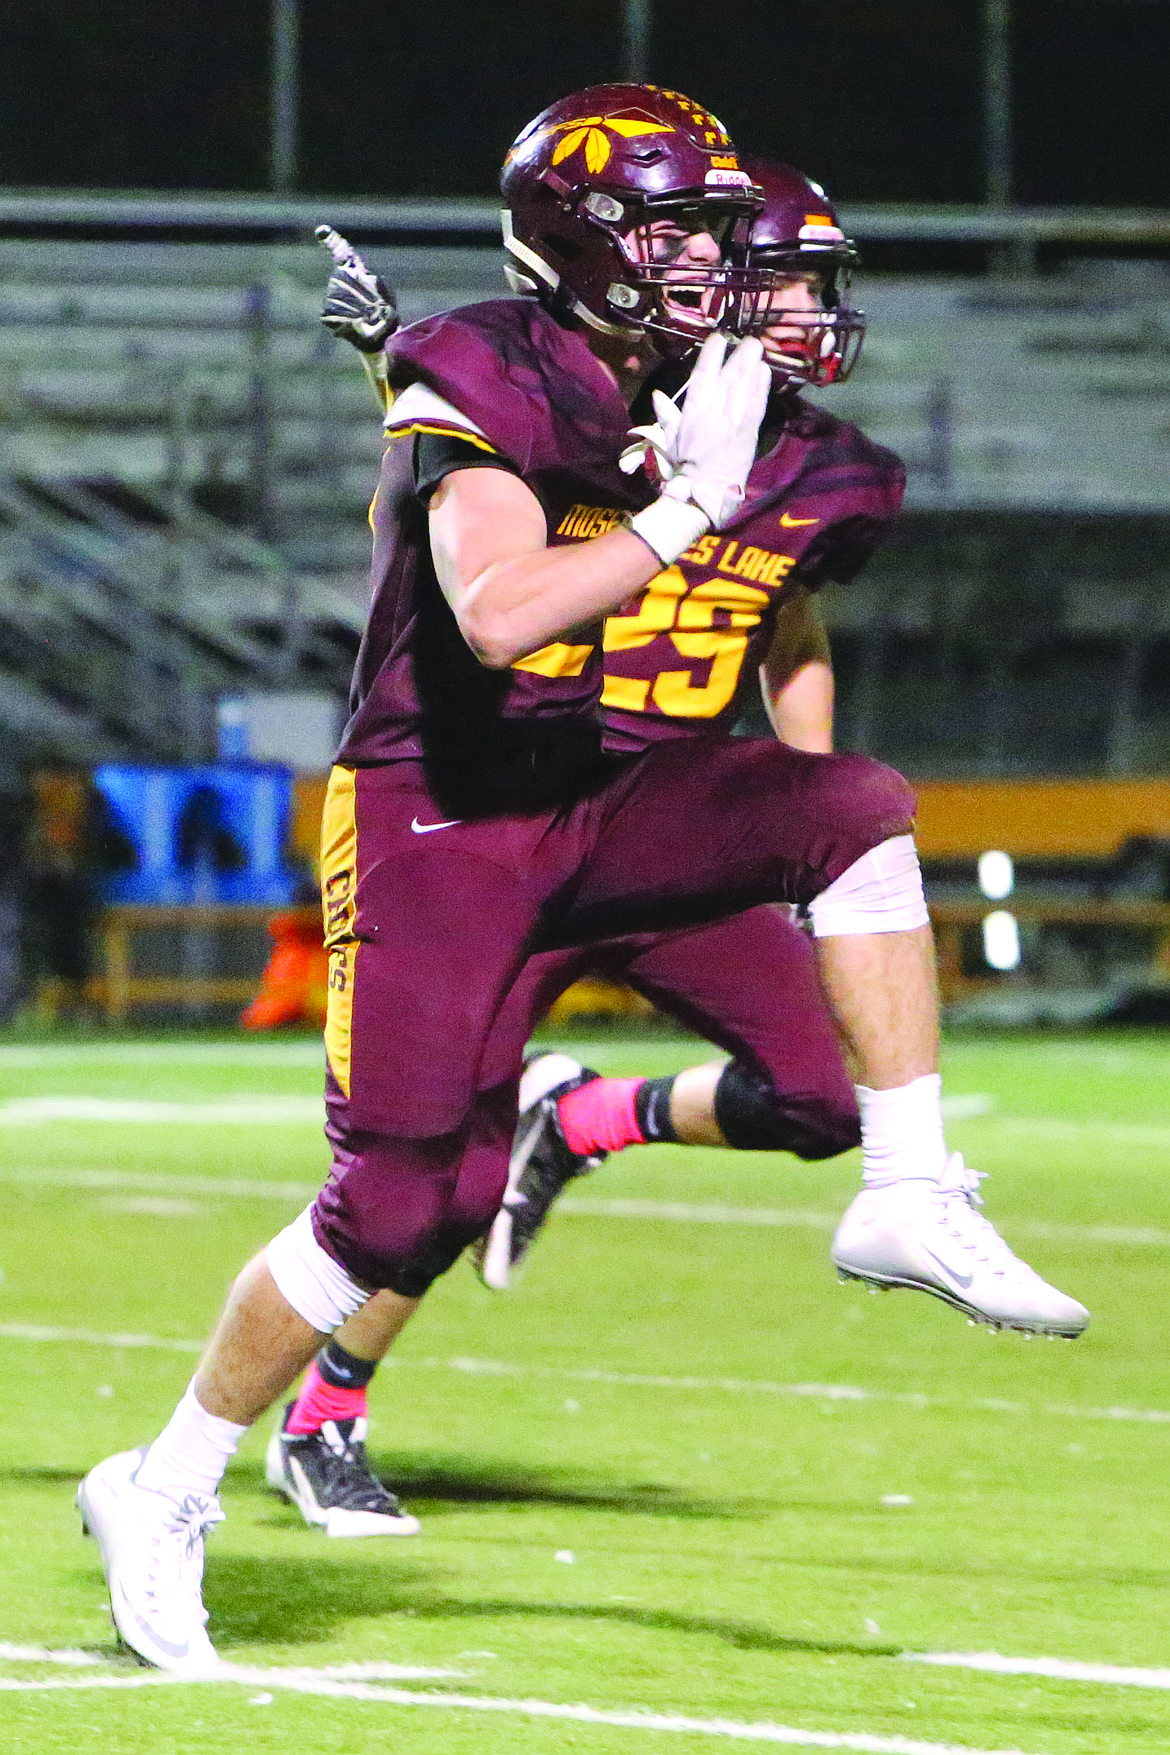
<point>319,1401</point>
<point>600,1116</point>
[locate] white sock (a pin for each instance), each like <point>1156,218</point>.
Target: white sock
<point>902,1132</point>
<point>191,1452</point>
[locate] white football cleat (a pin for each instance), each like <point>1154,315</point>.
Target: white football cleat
<point>152,1552</point>
<point>928,1236</point>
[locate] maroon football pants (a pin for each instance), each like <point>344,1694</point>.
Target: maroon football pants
<point>750,985</point>
<point>431,924</point>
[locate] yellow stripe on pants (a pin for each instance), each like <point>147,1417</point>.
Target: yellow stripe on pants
<point>339,907</point>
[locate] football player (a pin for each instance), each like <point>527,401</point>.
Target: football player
<point>786,1088</point>
<point>475,816</point>
<point>748,983</point>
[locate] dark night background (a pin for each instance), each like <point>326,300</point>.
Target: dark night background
<point>882,101</point>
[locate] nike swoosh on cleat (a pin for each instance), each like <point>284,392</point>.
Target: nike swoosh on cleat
<point>963,1280</point>
<point>788,522</point>
<point>429,828</point>
<point>152,1634</point>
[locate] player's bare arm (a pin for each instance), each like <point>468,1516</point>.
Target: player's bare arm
<point>802,712</point>
<point>796,677</point>
<point>511,594</point>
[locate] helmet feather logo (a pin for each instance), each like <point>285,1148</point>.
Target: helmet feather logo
<point>589,132</point>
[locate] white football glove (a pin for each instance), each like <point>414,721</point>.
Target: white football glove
<point>657,440</point>
<point>359,307</point>
<point>704,455</point>
<point>714,446</point>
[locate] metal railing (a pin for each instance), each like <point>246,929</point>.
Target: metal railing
<point>292,218</point>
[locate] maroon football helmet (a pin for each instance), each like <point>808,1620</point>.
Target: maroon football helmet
<point>797,233</point>
<point>585,183</point>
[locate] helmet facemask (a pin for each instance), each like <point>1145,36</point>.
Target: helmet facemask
<point>814,347</point>
<point>678,299</point>
<point>648,290</point>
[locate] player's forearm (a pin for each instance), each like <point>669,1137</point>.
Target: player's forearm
<point>801,709</point>
<point>516,606</point>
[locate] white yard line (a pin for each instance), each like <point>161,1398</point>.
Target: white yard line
<point>31,1331</point>
<point>35,1685</point>
<point>827,1392</point>
<point>831,1392</point>
<point>1083,1130</point>
<point>1128,1236</point>
<point>146,1182</point>
<point>707,1214</point>
<point>991,1662</point>
<point>371,1672</point>
<point>680,1212</point>
<point>1060,1669</point>
<point>261,1111</point>
<point>298,1676</point>
<point>1103,1057</point>
<point>1137,1236</point>
<point>634,1719</point>
<point>967,1106</point>
<point>41,1654</point>
<point>307,1051</point>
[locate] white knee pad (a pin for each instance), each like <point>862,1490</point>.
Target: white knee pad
<point>880,892</point>
<point>317,1287</point>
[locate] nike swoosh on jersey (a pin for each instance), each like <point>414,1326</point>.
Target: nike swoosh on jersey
<point>429,828</point>
<point>790,523</point>
<point>963,1280</point>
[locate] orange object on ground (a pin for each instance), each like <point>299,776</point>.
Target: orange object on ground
<point>294,984</point>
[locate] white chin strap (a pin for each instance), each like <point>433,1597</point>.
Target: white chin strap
<point>523,253</point>
<point>538,267</point>
<point>519,283</point>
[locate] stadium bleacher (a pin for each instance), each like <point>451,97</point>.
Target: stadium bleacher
<point>188,460</point>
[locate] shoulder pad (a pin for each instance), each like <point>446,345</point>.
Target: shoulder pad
<point>530,387</point>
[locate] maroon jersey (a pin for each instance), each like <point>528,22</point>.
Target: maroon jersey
<point>539,399</point>
<point>818,500</point>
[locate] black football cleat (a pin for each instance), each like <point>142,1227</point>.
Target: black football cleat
<point>540,1166</point>
<point>326,1476</point>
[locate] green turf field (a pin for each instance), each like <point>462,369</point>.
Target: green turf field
<point>679,1477</point>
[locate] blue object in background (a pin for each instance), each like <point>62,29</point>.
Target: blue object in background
<point>232,724</point>
<point>214,833</point>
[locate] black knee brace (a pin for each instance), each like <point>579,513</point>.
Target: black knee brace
<point>415,1279</point>
<point>754,1117</point>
